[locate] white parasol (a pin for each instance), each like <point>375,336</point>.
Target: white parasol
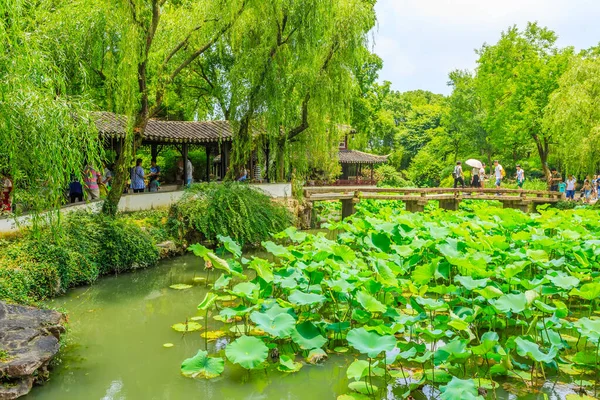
<point>474,163</point>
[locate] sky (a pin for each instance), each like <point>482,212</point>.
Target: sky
<point>421,41</point>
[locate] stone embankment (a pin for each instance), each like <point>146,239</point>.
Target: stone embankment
<point>29,339</point>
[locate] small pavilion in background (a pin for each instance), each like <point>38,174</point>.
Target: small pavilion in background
<point>354,163</point>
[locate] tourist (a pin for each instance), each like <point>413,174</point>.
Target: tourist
<point>499,173</point>
<point>137,177</point>
<point>243,175</point>
<point>189,179</point>
<point>75,190</point>
<point>6,185</point>
<point>108,175</point>
<point>90,179</point>
<point>458,175</point>
<point>482,176</point>
<point>520,176</point>
<point>475,182</point>
<point>587,189</point>
<point>154,175</point>
<point>555,180</point>
<point>571,183</point>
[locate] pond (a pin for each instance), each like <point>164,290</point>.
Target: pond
<point>117,329</point>
<point>114,349</point>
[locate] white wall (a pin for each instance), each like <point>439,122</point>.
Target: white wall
<point>141,201</point>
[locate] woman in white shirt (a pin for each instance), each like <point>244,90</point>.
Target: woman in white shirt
<point>571,183</point>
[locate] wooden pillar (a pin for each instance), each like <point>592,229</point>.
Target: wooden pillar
<point>184,155</point>
<point>154,151</point>
<point>450,204</point>
<point>347,207</point>
<point>372,168</point>
<point>415,206</point>
<point>207,150</point>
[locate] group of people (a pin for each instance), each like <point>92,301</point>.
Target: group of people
<point>589,189</point>
<point>479,175</point>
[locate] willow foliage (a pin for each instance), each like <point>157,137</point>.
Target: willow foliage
<point>44,134</point>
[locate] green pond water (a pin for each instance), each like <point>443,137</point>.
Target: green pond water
<point>114,349</point>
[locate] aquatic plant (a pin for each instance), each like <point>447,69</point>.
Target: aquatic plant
<point>456,301</point>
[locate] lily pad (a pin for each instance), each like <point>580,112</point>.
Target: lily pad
<point>370,343</point>
<point>287,364</point>
<point>189,327</point>
<point>181,286</point>
<point>202,366</point>
<point>280,325</point>
<point>213,335</point>
<point>247,351</point>
<point>168,345</point>
<point>307,336</point>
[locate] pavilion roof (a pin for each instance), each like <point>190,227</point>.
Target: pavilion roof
<point>359,157</point>
<point>114,125</point>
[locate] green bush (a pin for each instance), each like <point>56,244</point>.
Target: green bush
<point>230,209</point>
<point>387,176</point>
<point>45,264</point>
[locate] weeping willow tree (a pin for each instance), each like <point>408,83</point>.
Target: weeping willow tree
<point>45,134</point>
<point>573,114</point>
<point>293,78</point>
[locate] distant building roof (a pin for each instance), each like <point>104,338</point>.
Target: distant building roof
<point>358,157</point>
<point>113,125</point>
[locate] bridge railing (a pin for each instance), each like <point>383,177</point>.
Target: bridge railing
<point>416,198</point>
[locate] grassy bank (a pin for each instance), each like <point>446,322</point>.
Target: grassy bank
<point>36,265</point>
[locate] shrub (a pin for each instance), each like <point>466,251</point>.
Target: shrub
<point>387,175</point>
<point>230,209</point>
<point>45,264</point>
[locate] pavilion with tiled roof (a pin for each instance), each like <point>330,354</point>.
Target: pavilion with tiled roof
<point>214,136</point>
<point>352,162</point>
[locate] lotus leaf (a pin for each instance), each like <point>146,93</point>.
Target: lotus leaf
<point>358,370</point>
<point>363,387</point>
<point>460,389</point>
<point>213,335</point>
<point>187,327</point>
<point>588,328</point>
<point>198,250</point>
<point>247,290</point>
<point>209,300</point>
<point>471,284</point>
<point>370,303</point>
<point>230,245</point>
<point>307,336</point>
<point>304,299</point>
<point>247,351</point>
<point>370,343</point>
<point>263,269</point>
<point>202,366</point>
<point>280,325</point>
<point>222,282</point>
<point>287,364</point>
<point>527,348</point>
<point>168,345</point>
<point>515,303</point>
<point>587,291</point>
<point>180,286</point>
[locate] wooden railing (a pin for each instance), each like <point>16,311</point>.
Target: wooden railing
<point>416,198</point>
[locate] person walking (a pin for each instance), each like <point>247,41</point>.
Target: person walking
<point>90,179</point>
<point>555,180</point>
<point>189,179</point>
<point>587,189</point>
<point>75,190</point>
<point>475,182</point>
<point>458,175</point>
<point>520,176</point>
<point>482,176</point>
<point>499,173</point>
<point>571,183</point>
<point>137,177</point>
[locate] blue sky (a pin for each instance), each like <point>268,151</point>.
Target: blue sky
<point>421,41</point>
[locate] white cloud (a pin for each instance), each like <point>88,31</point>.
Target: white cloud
<point>421,41</point>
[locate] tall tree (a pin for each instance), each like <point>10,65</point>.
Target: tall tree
<point>44,134</point>
<point>515,78</point>
<point>573,114</point>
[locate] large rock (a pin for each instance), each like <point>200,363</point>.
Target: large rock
<point>29,339</point>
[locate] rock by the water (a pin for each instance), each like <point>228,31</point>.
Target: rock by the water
<point>29,339</point>
<point>168,249</point>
